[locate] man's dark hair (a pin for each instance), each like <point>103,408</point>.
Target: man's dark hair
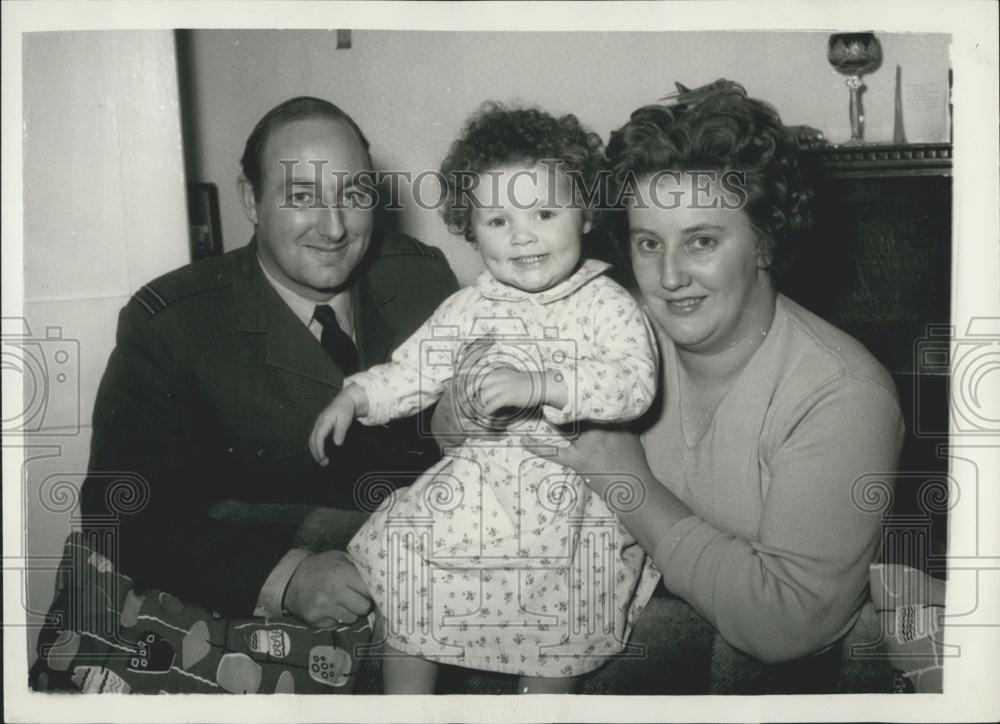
<point>294,109</point>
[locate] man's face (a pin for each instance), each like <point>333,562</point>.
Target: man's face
<point>313,224</point>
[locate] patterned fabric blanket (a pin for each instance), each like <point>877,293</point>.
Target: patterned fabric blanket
<point>101,635</point>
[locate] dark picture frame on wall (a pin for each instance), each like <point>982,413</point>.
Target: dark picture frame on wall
<point>204,221</point>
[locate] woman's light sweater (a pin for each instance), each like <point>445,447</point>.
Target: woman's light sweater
<point>777,553</point>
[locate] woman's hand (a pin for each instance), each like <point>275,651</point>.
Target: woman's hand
<point>450,424</point>
<point>604,455</point>
<point>612,462</point>
<point>452,421</point>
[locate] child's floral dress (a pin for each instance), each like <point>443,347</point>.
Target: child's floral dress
<point>497,558</point>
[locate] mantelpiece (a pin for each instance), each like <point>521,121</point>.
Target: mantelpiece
<point>880,161</point>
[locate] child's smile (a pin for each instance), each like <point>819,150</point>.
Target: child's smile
<point>527,226</point>
<point>529,261</point>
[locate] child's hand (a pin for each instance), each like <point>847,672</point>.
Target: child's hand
<point>334,420</point>
<point>507,387</point>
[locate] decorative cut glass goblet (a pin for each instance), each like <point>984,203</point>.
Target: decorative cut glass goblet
<point>853,54</point>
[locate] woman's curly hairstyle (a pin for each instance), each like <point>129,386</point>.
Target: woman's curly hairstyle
<point>723,130</point>
<point>496,136</point>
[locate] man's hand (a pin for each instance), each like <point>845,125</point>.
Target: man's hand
<point>327,590</point>
<point>335,420</point>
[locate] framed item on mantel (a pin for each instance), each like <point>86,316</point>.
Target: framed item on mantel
<point>204,222</point>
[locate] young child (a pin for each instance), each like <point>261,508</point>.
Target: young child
<point>496,558</point>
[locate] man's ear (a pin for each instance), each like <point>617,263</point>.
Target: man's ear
<point>247,198</point>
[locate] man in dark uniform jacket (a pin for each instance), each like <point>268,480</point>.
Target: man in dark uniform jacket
<point>221,367</point>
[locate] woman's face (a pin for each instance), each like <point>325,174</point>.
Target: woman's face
<point>698,263</point>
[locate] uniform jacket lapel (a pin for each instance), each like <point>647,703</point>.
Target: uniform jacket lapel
<point>374,331</point>
<point>288,344</point>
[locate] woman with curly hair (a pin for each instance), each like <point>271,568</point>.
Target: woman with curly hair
<point>743,472</point>
<point>769,415</point>
<point>496,558</point>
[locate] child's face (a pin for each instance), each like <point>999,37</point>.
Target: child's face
<point>527,226</point>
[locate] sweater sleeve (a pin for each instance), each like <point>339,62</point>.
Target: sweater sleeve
<point>797,590</point>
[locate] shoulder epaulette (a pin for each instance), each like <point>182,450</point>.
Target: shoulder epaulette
<point>150,299</point>
<point>187,281</point>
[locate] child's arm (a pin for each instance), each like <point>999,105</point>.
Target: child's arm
<point>413,380</point>
<point>507,387</point>
<point>617,381</point>
<point>350,402</point>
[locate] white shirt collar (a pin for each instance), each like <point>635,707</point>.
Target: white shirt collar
<point>304,307</point>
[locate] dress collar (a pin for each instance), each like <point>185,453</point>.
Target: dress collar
<point>490,288</point>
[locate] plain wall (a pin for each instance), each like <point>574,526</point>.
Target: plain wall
<point>411,91</point>
<point>104,213</point>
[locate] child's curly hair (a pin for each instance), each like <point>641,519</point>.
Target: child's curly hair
<point>496,136</point>
<point>725,130</point>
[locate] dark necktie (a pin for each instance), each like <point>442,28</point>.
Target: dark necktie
<point>335,341</point>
